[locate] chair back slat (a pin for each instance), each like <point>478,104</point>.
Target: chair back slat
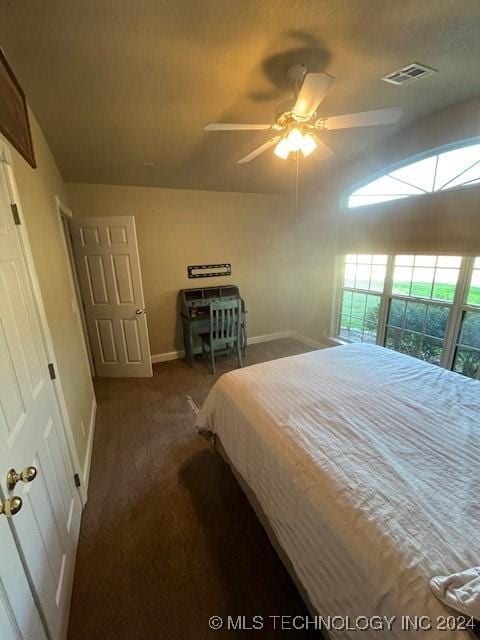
<point>225,319</point>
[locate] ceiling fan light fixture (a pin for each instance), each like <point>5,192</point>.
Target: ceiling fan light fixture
<point>308,144</point>
<point>295,139</point>
<point>282,150</point>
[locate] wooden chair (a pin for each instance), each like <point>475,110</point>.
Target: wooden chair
<point>225,330</point>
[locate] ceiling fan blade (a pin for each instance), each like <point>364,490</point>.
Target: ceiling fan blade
<point>323,151</point>
<point>264,147</point>
<point>314,89</point>
<point>362,119</point>
<point>225,126</point>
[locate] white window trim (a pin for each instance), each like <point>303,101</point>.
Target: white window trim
<point>457,307</point>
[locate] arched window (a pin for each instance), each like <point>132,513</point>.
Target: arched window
<point>459,167</point>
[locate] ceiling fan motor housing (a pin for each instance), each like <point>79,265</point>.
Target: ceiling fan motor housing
<point>297,74</point>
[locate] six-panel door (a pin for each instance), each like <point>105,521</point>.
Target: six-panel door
<point>31,433</point>
<point>108,265</point>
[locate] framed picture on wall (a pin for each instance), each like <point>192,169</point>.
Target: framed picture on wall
<point>14,123</point>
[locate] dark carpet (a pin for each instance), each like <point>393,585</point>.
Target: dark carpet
<point>168,538</point>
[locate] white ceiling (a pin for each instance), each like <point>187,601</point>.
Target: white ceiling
<point>117,83</point>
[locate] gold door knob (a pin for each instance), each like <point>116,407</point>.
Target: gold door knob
<point>27,475</point>
<point>11,507</point>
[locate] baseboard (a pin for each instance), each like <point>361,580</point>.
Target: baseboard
<point>335,342</point>
<point>175,355</point>
<point>88,454</point>
<point>269,336</point>
<point>168,355</point>
<point>308,341</point>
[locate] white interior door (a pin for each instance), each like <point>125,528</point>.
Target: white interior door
<point>31,434</point>
<point>106,253</point>
<point>19,617</point>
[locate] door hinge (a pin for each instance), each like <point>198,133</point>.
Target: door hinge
<point>16,217</point>
<point>76,478</point>
<point>51,370</point>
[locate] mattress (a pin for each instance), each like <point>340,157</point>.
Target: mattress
<point>366,463</point>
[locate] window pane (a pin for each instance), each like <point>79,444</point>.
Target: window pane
<point>345,326</point>
<point>404,261</point>
<point>427,279</point>
<point>473,296</point>
<point>452,163</point>
<point>431,350</point>
<point>361,201</point>
<point>359,312</point>
<point>397,313</point>
<point>365,272</point>
<point>364,259</point>
<point>449,261</point>
<point>415,316</point>
<point>347,303</point>
<point>422,282</point>
<point>470,333</point>
<point>359,300</point>
<point>370,333</point>
<point>349,275</point>
<point>420,174</point>
<point>445,284</point>
<point>425,261</point>
<point>417,329</point>
<point>436,321</point>
<point>393,339</point>
<point>471,174</point>
<point>402,279</point>
<point>467,362</point>
<point>387,186</point>
<point>362,280</point>
<point>377,278</point>
<point>410,343</point>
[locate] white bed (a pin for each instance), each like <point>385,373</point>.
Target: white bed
<point>366,464</point>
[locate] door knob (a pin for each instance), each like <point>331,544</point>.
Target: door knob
<point>11,507</point>
<point>140,311</point>
<point>27,475</point>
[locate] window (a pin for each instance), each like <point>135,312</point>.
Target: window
<point>455,168</point>
<point>416,327</point>
<point>364,278</point>
<point>427,307</point>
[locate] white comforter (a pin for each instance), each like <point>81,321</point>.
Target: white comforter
<point>367,464</point>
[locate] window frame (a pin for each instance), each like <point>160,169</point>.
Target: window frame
<point>457,307</point>
<point>405,162</point>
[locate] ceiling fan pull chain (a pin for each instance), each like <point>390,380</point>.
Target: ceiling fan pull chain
<point>296,185</point>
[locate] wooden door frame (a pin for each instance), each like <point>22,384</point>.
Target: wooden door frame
<point>70,456</point>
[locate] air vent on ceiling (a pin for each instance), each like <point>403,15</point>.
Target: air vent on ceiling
<point>410,73</point>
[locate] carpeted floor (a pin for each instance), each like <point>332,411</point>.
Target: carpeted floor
<point>168,539</point>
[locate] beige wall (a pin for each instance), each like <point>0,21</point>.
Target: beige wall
<point>447,222</point>
<point>37,190</point>
<point>175,228</point>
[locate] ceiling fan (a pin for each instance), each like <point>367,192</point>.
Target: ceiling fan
<point>297,119</point>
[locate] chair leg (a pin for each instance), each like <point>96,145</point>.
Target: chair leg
<point>239,354</point>
<point>212,359</point>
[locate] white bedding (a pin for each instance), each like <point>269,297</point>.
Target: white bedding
<point>367,465</point>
